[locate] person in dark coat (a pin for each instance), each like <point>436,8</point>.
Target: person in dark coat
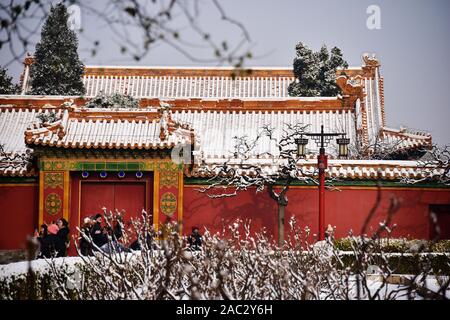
<point>40,236</point>
<point>195,239</point>
<point>117,230</point>
<point>99,237</point>
<point>50,243</point>
<point>85,245</point>
<point>63,237</point>
<point>112,245</point>
<point>149,236</point>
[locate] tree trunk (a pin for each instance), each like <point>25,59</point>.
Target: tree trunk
<point>282,202</point>
<point>281,225</point>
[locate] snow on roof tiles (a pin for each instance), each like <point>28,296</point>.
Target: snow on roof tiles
<point>216,129</point>
<point>13,123</point>
<point>92,128</point>
<point>220,103</point>
<point>401,139</point>
<point>201,87</point>
<point>337,168</point>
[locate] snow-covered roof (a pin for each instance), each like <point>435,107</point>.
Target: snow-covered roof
<point>119,129</point>
<point>337,168</point>
<point>217,103</point>
<point>13,123</point>
<point>403,139</point>
<point>216,130</point>
<point>188,87</point>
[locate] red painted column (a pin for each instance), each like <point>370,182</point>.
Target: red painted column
<point>322,162</point>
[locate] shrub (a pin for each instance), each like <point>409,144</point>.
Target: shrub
<point>236,264</point>
<point>116,100</point>
<point>411,264</point>
<point>441,246</point>
<point>398,245</point>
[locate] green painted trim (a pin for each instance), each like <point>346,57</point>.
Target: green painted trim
<point>116,166</point>
<point>356,183</point>
<point>110,166</point>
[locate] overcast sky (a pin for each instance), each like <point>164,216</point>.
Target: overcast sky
<point>413,47</point>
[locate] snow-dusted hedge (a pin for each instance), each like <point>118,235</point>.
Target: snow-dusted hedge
<point>16,282</point>
<point>399,245</point>
<point>405,263</point>
<point>236,264</point>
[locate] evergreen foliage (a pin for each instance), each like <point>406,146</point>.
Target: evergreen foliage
<point>6,84</point>
<point>57,69</point>
<point>116,100</point>
<point>49,117</point>
<point>315,72</point>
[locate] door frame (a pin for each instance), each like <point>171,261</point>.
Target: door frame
<point>77,185</point>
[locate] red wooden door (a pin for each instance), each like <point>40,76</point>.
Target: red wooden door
<point>128,197</point>
<point>95,196</point>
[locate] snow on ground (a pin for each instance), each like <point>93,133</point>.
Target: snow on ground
<point>392,290</point>
<point>39,265</point>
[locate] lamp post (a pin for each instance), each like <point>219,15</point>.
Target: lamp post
<point>322,140</point>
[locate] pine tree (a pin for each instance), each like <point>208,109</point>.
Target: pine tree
<point>305,71</point>
<point>57,69</point>
<point>323,77</point>
<point>6,84</point>
<point>315,72</point>
<point>334,62</point>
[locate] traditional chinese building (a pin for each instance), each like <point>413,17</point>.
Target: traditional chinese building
<point>75,160</point>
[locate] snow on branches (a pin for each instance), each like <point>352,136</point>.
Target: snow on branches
<point>434,166</point>
<point>241,172</point>
<point>238,263</point>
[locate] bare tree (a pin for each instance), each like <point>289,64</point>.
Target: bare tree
<point>14,160</point>
<point>156,22</point>
<point>243,171</point>
<point>433,166</point>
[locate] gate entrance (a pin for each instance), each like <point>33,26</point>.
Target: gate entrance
<point>126,197</point>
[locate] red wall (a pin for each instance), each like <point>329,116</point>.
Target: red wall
<point>346,209</point>
<point>18,214</point>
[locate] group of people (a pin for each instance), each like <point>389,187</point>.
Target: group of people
<point>97,237</point>
<point>53,239</point>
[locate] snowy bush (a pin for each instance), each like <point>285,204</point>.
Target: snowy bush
<point>49,117</point>
<point>401,245</point>
<point>117,100</point>
<point>237,263</point>
<point>19,281</point>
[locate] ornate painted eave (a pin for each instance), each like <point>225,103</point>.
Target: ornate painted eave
<point>111,129</point>
<point>16,169</point>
